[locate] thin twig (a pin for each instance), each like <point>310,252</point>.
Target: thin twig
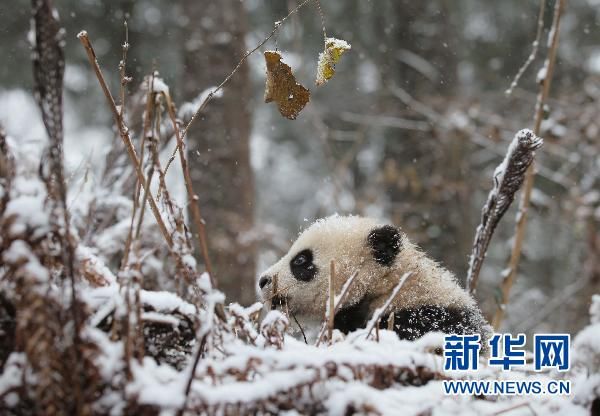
<point>340,299</point>
<point>322,15</point>
<point>122,70</point>
<point>515,256</point>
<point>381,310</point>
<point>299,326</point>
<point>188,386</point>
<point>240,63</point>
<point>193,200</point>
<point>385,121</point>
<point>534,49</point>
<point>218,88</point>
<point>123,132</point>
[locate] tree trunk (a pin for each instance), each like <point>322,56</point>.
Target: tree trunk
<point>218,142</point>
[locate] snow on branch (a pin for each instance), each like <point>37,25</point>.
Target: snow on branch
<point>508,178</point>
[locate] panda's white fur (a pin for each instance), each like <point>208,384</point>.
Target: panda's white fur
<point>345,240</point>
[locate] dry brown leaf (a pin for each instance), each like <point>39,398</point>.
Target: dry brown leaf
<point>282,87</point>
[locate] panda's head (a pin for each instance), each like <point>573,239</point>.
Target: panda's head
<point>355,244</point>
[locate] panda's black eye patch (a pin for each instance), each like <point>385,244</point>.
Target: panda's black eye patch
<point>385,243</point>
<point>302,266</point>
<point>300,259</point>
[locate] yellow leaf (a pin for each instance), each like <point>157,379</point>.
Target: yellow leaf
<point>334,49</point>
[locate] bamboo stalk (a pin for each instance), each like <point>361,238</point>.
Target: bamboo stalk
<point>524,202</point>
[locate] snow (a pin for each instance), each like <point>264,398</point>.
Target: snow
<point>83,253</point>
<point>160,318</point>
<point>105,299</point>
<point>19,252</point>
<point>166,301</point>
<point>541,75</point>
<point>159,86</point>
<point>156,384</point>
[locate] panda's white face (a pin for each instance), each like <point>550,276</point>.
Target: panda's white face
<point>301,277</point>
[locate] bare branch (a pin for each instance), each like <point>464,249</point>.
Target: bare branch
<point>534,49</point>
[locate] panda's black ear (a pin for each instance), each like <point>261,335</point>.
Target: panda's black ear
<point>385,243</point>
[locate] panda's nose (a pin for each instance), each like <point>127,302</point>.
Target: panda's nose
<point>263,281</point>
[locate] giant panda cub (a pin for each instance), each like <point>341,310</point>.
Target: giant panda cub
<point>429,300</point>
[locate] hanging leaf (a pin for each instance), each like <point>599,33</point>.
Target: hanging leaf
<point>334,49</point>
<point>282,87</point>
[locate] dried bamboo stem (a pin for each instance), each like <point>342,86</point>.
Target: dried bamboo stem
<point>123,132</point>
<point>381,310</point>
<point>192,197</point>
<point>340,301</point>
<point>515,255</point>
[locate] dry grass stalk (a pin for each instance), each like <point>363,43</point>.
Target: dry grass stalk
<point>508,178</point>
<point>515,255</point>
<point>391,319</point>
<point>192,197</point>
<point>341,299</point>
<point>124,133</point>
<point>122,73</point>
<point>374,322</point>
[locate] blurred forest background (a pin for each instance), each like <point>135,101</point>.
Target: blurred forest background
<point>410,129</point>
